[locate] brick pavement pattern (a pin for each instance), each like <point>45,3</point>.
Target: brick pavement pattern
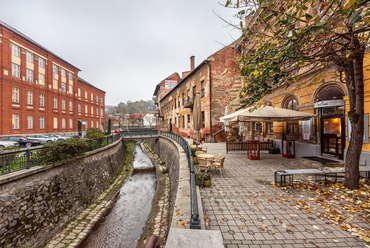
<point>249,211</point>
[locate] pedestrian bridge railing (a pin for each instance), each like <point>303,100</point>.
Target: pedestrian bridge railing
<point>194,220</point>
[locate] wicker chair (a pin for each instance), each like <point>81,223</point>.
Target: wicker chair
<point>204,149</point>
<point>203,165</point>
<point>196,155</point>
<point>219,165</point>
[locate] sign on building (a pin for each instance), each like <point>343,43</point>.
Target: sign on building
<point>169,84</point>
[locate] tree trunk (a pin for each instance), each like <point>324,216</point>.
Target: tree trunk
<point>355,85</point>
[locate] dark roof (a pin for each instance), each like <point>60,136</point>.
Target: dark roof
<point>33,42</point>
<point>84,81</point>
<point>157,89</point>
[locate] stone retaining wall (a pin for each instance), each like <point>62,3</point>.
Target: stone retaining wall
<point>36,207</point>
<point>168,152</point>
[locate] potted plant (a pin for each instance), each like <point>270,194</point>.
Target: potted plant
<point>207,180</point>
<point>199,179</point>
<point>193,154</point>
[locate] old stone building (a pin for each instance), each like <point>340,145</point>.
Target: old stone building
<point>218,91</point>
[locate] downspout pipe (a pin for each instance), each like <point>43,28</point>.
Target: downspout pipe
<point>210,97</point>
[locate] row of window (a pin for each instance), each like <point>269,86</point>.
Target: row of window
<point>15,122</point>
<point>177,103</point>
<point>15,99</point>
<point>92,96</point>
<point>16,51</point>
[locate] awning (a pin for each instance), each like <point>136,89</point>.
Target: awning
<point>266,113</point>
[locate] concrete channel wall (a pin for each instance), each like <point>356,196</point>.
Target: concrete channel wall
<point>180,235</point>
<point>35,204</point>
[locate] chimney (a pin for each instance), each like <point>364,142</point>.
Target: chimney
<point>192,63</point>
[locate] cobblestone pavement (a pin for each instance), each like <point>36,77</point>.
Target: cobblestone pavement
<point>251,212</point>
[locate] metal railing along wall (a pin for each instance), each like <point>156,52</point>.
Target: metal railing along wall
<point>194,221</point>
<point>25,159</point>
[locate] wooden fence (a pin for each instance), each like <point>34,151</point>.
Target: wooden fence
<point>243,146</point>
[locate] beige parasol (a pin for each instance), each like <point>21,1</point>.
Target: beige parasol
<point>197,119</point>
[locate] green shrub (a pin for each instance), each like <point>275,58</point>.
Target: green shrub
<point>62,150</point>
<point>94,133</point>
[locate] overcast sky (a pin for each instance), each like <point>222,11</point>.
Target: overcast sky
<point>124,47</point>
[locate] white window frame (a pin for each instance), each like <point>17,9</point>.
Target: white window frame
<point>70,123</point>
<point>55,122</point>
<point>29,57</point>
<point>30,122</point>
<point>79,108</point>
<point>64,88</point>
<point>55,102</point>
<point>92,124</point>
<point>29,97</point>
<point>42,122</point>
<point>63,123</point>
<point>79,92</point>
<point>55,69</point>
<point>16,50</point>
<point>41,79</point>
<point>15,121</point>
<point>70,106</point>
<point>92,97</point>
<point>42,100</point>
<point>41,62</point>
<point>15,95</point>
<point>63,73</point>
<point>16,70</point>
<point>55,83</point>
<point>63,104</point>
<point>86,109</point>
<point>85,94</point>
<point>29,75</point>
<point>70,76</point>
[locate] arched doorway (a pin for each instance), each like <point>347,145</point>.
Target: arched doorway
<point>331,109</point>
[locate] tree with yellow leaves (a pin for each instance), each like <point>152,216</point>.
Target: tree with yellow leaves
<point>284,40</point>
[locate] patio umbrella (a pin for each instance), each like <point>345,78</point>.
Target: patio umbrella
<point>197,119</point>
<point>266,113</point>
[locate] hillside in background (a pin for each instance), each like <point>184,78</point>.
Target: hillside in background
<point>138,107</point>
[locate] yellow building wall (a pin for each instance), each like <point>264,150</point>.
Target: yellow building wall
<point>365,147</point>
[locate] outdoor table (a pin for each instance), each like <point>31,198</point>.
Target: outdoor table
<point>193,147</point>
<point>206,156</point>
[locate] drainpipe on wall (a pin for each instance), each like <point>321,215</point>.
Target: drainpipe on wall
<point>210,99</point>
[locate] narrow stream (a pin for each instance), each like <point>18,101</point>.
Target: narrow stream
<point>124,223</point>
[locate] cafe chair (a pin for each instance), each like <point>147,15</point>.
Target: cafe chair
<point>204,149</point>
<point>203,165</point>
<point>219,165</point>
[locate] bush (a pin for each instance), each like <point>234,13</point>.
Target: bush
<point>94,133</point>
<point>62,150</point>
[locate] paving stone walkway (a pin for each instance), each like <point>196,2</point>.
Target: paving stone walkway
<point>251,212</point>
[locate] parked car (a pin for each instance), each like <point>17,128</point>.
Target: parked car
<point>23,141</point>
<point>57,136</point>
<point>7,143</point>
<point>42,138</point>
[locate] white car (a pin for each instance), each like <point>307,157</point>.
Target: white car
<point>42,138</point>
<point>6,143</point>
<point>57,136</point>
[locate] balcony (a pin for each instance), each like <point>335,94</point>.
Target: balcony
<point>188,103</point>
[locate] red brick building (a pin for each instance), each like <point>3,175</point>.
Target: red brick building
<point>40,91</point>
<point>218,90</point>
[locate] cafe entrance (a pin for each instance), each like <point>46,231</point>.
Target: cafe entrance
<point>332,128</point>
